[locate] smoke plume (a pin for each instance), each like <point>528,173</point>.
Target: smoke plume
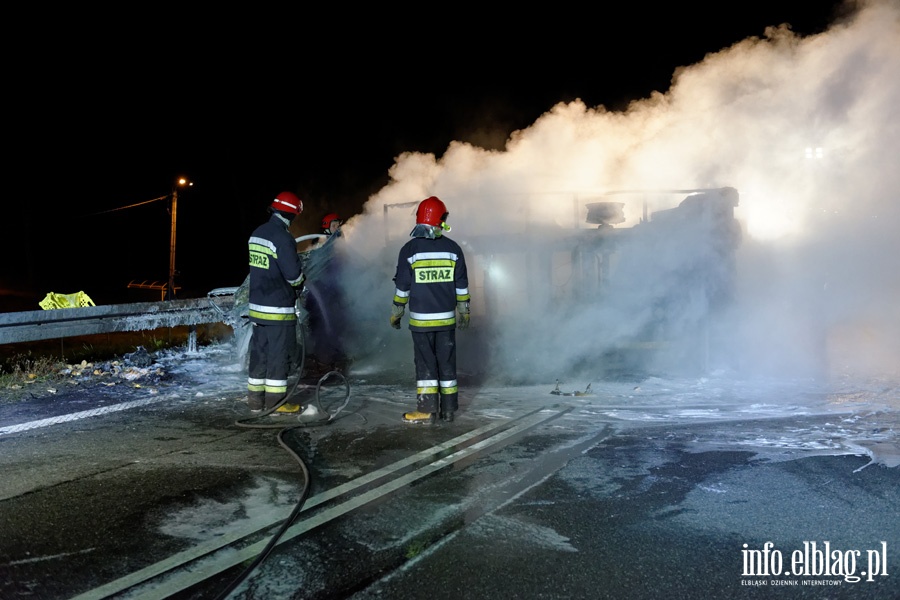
<point>758,229</point>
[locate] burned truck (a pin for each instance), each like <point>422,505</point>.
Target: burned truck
<point>643,284</point>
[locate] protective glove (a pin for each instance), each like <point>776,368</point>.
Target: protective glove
<point>396,312</point>
<point>463,309</point>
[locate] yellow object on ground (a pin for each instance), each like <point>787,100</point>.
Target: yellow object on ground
<point>418,417</point>
<point>76,300</point>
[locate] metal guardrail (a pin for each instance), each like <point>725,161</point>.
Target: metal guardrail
<point>36,325</point>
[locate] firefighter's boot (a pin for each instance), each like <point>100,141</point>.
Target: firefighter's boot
<point>418,417</point>
<point>255,402</point>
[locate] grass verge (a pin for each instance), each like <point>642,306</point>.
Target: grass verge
<point>25,364</point>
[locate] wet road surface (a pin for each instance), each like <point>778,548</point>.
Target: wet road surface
<point>635,491</point>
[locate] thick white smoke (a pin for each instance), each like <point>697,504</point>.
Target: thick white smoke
<point>806,130</point>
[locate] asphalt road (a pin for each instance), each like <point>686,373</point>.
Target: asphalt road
<point>165,489</point>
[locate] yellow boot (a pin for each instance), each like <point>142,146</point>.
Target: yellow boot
<point>418,417</point>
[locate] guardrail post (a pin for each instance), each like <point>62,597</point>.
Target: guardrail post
<point>192,338</point>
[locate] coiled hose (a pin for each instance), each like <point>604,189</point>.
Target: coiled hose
<point>317,402</point>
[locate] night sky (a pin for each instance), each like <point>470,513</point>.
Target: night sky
<point>114,107</point>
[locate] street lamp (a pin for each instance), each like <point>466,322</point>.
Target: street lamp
<point>181,182</point>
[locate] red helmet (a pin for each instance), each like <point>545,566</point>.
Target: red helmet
<point>288,202</point>
<point>327,219</point>
<point>431,211</point>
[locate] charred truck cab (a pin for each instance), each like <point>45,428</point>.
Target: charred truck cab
<point>674,272</point>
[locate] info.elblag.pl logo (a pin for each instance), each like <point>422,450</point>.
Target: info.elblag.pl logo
<point>815,560</point>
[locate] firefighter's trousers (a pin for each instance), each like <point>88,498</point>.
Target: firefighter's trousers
<point>272,349</point>
<point>435,357</point>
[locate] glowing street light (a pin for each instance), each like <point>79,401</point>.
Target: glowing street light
<point>181,182</point>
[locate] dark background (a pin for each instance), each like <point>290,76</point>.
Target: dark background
<point>106,109</point>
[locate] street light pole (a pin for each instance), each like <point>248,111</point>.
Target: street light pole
<point>170,288</point>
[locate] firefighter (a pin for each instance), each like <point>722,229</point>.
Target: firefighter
<point>432,280</point>
<point>276,281</point>
<point>331,223</point>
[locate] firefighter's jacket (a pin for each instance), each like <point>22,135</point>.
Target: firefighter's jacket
<point>276,274</point>
<point>431,278</point>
